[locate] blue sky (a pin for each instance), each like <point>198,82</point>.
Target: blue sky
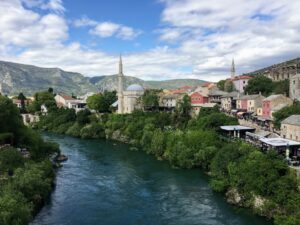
<point>159,39</point>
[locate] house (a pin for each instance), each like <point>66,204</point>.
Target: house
<point>228,101</point>
<point>69,102</point>
<point>214,95</point>
<point>17,102</point>
<point>240,82</point>
<point>252,102</point>
<point>169,101</point>
<point>198,98</point>
<point>290,128</point>
<point>295,87</point>
<point>273,103</point>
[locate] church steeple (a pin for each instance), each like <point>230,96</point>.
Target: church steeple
<point>232,69</point>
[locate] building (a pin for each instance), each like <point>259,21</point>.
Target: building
<point>290,128</point>
<point>250,103</point>
<point>198,98</point>
<point>169,102</point>
<point>240,82</point>
<point>128,99</point>
<point>215,95</point>
<point>283,71</point>
<point>17,102</point>
<point>295,87</point>
<point>274,103</point>
<point>229,101</point>
<point>69,102</point>
<point>236,131</point>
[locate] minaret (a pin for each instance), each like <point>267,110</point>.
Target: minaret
<point>120,88</point>
<point>232,69</point>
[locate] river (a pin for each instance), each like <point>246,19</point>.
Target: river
<point>104,183</point>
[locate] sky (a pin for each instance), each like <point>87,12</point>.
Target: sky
<point>158,39</point>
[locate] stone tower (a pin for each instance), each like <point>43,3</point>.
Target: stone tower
<point>232,69</point>
<point>120,88</point>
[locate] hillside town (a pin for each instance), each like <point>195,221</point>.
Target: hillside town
<point>255,112</point>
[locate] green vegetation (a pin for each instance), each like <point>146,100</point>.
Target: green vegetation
<point>263,182</point>
<point>102,102</point>
<point>46,98</point>
<point>25,183</point>
<point>265,86</point>
<point>150,99</point>
<point>285,113</point>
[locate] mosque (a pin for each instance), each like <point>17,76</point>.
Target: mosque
<point>128,99</point>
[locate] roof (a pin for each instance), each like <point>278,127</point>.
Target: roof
<point>66,97</point>
<point>198,93</point>
<point>115,104</point>
<point>135,87</point>
<point>280,106</point>
<point>279,142</point>
<point>293,120</point>
<point>236,127</point>
<point>204,105</point>
<point>272,97</point>
<point>217,92</point>
<point>243,77</point>
<point>250,97</point>
<point>233,94</point>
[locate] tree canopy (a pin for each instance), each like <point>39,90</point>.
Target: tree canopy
<point>102,102</point>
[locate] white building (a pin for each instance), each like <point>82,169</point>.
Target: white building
<point>69,102</point>
<point>128,99</point>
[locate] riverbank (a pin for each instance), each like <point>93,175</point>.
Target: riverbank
<point>271,189</point>
<point>27,175</point>
<point>104,182</point>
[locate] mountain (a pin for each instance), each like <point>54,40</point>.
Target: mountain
<point>111,82</point>
<point>291,62</point>
<point>16,78</point>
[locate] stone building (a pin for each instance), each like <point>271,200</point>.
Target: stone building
<point>283,71</point>
<point>295,87</point>
<point>274,103</point>
<point>228,101</point>
<point>290,128</point>
<point>128,99</point>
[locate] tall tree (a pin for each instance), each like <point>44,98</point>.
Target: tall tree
<point>260,84</point>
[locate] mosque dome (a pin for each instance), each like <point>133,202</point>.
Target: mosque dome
<point>135,87</point>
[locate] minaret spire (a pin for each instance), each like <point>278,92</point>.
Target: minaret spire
<point>120,87</point>
<point>233,69</point>
<point>120,65</point>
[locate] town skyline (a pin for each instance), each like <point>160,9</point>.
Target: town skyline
<point>198,43</point>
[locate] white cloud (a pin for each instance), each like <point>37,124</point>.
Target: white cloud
<point>206,35</point>
<point>25,28</point>
<point>84,22</point>
<point>109,29</point>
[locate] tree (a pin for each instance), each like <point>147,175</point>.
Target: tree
<point>282,87</point>
<point>83,117</point>
<point>229,86</point>
<point>285,113</point>
<point>46,98</point>
<point>22,98</point>
<point>221,85</point>
<point>10,159</point>
<point>102,102</point>
<point>260,84</point>
<point>50,90</point>
<point>150,99</point>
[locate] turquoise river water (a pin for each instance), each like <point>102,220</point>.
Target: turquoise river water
<point>104,183</point>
